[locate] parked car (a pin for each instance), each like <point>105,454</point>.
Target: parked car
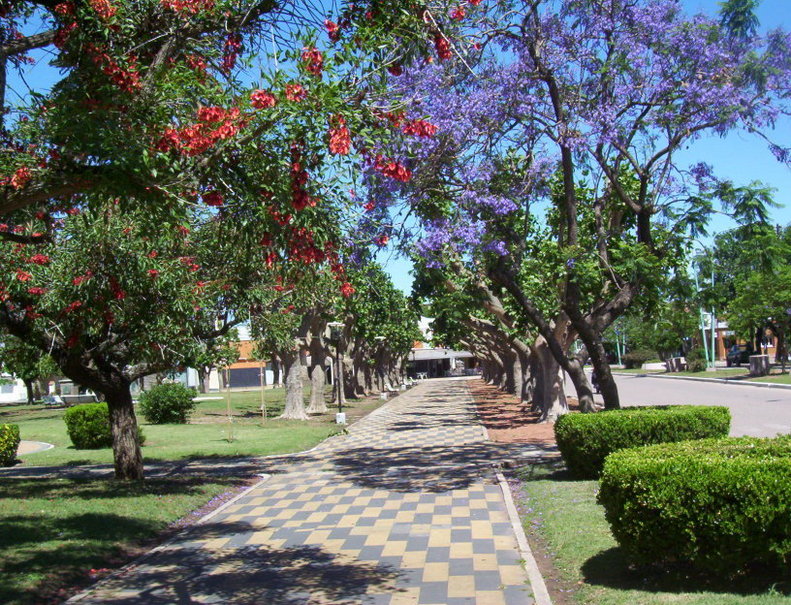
<point>738,354</point>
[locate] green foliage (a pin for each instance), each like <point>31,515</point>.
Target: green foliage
<point>585,440</point>
<point>88,426</point>
<point>168,404</point>
<point>9,442</point>
<point>719,504</point>
<point>636,359</point>
<point>696,360</point>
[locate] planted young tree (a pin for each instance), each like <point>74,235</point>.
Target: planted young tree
<point>112,299</point>
<point>29,363</point>
<point>583,106</point>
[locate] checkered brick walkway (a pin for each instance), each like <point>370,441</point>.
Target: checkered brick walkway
<point>401,510</point>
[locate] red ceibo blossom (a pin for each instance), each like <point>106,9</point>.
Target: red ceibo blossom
<point>213,198</point>
<point>39,259</point>
<point>262,99</point>
<point>333,30</point>
<point>340,140</point>
<point>295,92</point>
<point>458,13</point>
<point>347,289</point>
<point>420,128</point>
<point>23,276</point>
<point>314,61</point>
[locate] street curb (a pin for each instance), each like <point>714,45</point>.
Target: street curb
<point>540,592</point>
<point>142,558</point>
<point>766,385</point>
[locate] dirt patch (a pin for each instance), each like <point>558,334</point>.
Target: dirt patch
<point>508,420</point>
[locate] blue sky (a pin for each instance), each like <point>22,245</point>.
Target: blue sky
<point>739,157</point>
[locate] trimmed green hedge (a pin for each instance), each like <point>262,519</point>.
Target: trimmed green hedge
<point>585,440</point>
<point>168,404</point>
<point>718,504</point>
<point>9,443</point>
<point>88,426</point>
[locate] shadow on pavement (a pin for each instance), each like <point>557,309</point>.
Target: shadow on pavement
<point>250,574</point>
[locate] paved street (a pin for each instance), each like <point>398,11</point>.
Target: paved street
<point>403,509</point>
<point>756,411</point>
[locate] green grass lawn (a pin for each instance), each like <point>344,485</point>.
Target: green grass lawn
<point>54,531</point>
<point>205,435</point>
<point>562,513</point>
<point>776,378</point>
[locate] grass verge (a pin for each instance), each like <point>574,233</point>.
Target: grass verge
<point>563,515</point>
<point>56,533</point>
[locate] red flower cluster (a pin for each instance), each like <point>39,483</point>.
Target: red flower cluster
<point>347,289</point>
<point>117,291</point>
<point>301,247</point>
<point>153,273</point>
<point>370,206</point>
<point>382,240</point>
<point>189,262</point>
<point>62,35</point>
<point>21,177</point>
<point>65,9</point>
<point>71,307</point>
<point>280,218</point>
<point>103,8</point>
<point>340,140</point>
<point>36,291</point>
<point>197,63</point>
<point>475,2</point>
<point>187,7</point>
<point>458,13</point>
<point>127,80</point>
<point>333,30</point>
<point>213,198</point>
<point>82,278</point>
<point>420,128</point>
<point>442,47</point>
<point>23,276</point>
<point>39,259</point>
<point>194,140</point>
<point>262,99</point>
<point>299,176</point>
<point>395,170</point>
<point>295,92</point>
<point>213,114</point>
<point>395,69</point>
<point>313,60</point>
<point>233,46</point>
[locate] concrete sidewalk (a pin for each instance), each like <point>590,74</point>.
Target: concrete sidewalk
<point>404,509</point>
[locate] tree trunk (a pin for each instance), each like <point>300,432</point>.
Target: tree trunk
<point>549,385</point>
<point>29,389</point>
<point>276,378</point>
<point>203,378</point>
<point>318,356</point>
<point>609,390</point>
<point>127,458</point>
<point>295,401</point>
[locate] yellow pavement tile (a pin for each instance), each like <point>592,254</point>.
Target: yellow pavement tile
<point>408,596</point>
<point>481,529</point>
<point>512,575</point>
<point>460,550</point>
<point>489,597</point>
<point>484,563</point>
<point>393,549</point>
<point>435,572</point>
<point>461,586</point>
<point>413,559</point>
<point>439,537</point>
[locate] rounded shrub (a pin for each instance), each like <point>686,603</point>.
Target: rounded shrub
<point>9,443</point>
<point>585,440</point>
<point>696,360</point>
<point>168,404</point>
<point>635,359</point>
<point>88,426</point>
<point>720,505</point>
